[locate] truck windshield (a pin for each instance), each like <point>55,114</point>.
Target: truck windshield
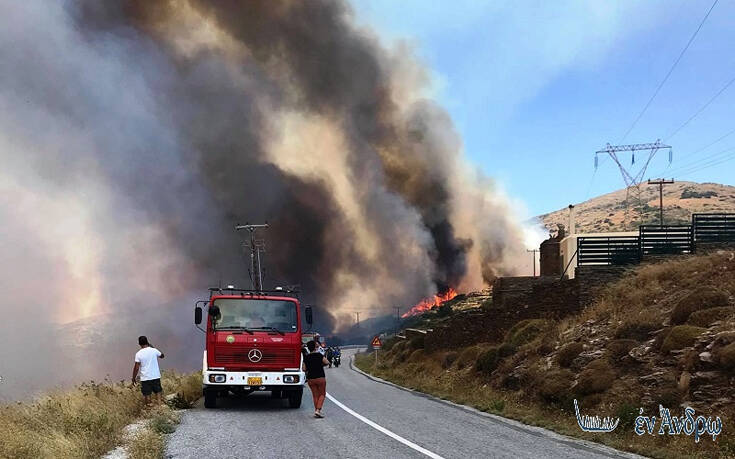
<point>255,314</point>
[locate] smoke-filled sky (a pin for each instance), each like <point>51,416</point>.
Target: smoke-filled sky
<point>134,135</point>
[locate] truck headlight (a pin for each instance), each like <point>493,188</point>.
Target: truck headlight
<point>217,378</point>
<point>290,379</point>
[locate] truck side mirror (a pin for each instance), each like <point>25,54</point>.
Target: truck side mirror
<point>197,315</point>
<point>308,314</point>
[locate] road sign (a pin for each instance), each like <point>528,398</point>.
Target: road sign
<point>376,344</point>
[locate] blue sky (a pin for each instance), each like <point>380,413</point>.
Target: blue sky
<point>536,87</point>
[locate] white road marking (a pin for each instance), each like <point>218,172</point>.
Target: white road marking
<point>382,429</point>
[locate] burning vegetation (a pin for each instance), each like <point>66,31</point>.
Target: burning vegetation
<point>431,303</point>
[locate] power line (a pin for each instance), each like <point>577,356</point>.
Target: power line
<point>668,74</point>
<point>699,150</point>
<point>698,162</point>
<point>676,131</point>
<point>709,164</point>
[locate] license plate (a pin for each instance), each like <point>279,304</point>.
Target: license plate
<point>255,381</point>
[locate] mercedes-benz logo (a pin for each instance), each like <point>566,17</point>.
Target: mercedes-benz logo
<point>255,355</point>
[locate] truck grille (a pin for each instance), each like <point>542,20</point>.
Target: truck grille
<point>231,354</point>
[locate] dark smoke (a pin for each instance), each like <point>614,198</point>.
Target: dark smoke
<point>136,134</point>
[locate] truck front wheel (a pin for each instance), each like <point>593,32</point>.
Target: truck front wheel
<point>210,398</point>
<point>294,398</point>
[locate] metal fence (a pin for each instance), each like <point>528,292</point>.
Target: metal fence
<point>655,240</point>
<point>666,240</point>
<point>607,250</point>
<point>713,227</point>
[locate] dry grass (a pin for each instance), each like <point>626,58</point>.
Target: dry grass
<point>84,422</point>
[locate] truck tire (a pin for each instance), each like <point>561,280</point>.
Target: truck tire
<point>294,398</point>
<point>210,398</point>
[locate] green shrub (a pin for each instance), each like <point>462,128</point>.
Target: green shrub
<point>680,337</point>
<point>619,348</point>
<point>496,406</point>
<point>597,377</point>
<point>701,298</point>
<point>704,317</point>
<point>727,357</point>
<point>627,414</point>
<point>525,331</point>
<point>568,353</point>
<point>163,422</point>
<point>488,361</point>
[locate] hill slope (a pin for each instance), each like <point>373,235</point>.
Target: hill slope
<point>664,334</point>
<point>681,199</point>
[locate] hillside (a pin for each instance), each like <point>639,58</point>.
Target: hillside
<point>681,199</point>
<point>664,334</point>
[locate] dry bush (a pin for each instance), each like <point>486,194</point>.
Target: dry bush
<point>147,444</point>
<point>417,355</point>
<point>597,377</point>
<point>699,299</point>
<point>680,337</point>
<point>526,331</point>
<point>468,356</point>
<point>637,329</point>
<point>417,342</point>
<point>705,317</point>
<point>448,359</point>
<point>487,361</point>
<point>568,353</point>
<point>390,342</point>
<point>619,348</point>
<point>726,356</point>
<point>554,386</point>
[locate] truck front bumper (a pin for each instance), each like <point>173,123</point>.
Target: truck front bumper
<point>247,379</point>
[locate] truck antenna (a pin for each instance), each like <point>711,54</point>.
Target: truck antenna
<point>256,247</point>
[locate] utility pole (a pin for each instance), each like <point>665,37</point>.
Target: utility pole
<point>256,245</point>
<point>357,313</point>
<point>534,251</point>
<point>661,183</point>
<point>398,318</point>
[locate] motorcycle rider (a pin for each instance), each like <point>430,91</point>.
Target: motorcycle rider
<point>330,355</point>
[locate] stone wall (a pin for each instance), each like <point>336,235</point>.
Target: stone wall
<point>520,298</point>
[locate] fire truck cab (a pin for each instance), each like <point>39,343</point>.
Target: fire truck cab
<point>253,343</point>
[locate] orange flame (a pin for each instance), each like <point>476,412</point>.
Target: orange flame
<point>431,303</point>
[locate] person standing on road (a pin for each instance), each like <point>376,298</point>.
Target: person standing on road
<point>146,363</point>
<point>313,365</point>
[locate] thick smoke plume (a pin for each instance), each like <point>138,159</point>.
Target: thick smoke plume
<point>134,135</point>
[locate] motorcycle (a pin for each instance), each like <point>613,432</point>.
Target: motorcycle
<point>336,360</point>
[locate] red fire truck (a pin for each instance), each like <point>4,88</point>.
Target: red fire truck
<point>253,344</point>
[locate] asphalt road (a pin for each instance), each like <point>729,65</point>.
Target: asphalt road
<point>375,419</point>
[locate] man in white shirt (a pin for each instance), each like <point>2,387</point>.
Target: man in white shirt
<point>146,362</point>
